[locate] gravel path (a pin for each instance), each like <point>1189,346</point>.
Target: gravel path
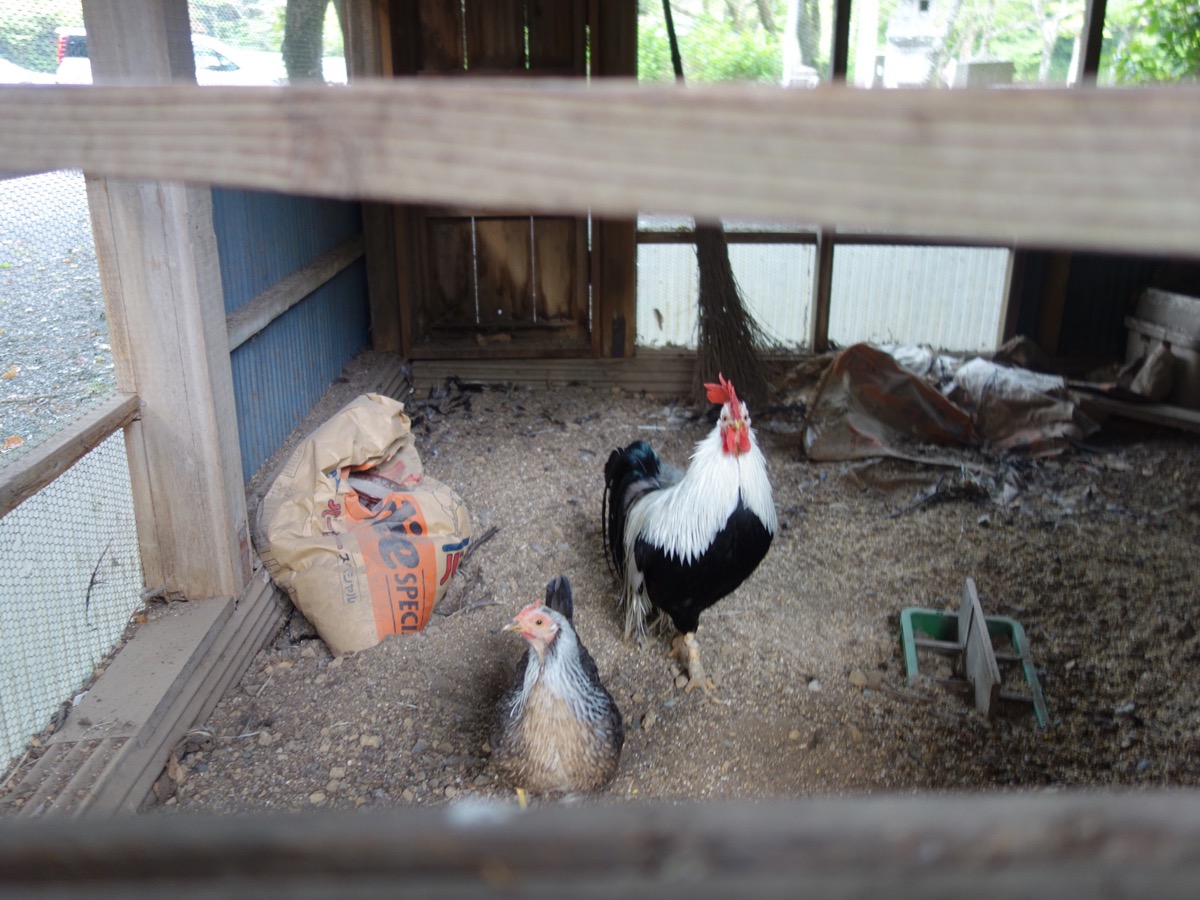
<point>55,360</point>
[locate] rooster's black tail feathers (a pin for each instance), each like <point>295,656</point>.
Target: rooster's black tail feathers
<point>629,473</point>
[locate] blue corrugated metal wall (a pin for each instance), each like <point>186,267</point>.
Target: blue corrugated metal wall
<point>282,371</point>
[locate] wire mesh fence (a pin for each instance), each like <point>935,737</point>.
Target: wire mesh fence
<point>70,578</point>
<point>70,574</point>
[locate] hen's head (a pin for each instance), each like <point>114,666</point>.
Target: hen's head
<point>538,624</point>
<point>735,418</point>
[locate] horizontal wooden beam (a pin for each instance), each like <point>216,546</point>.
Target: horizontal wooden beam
<point>658,372</point>
<point>1140,844</point>
<point>259,312</point>
<point>41,464</point>
<point>1070,168</point>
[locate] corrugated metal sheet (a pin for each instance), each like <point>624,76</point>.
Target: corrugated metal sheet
<point>775,282</point>
<point>263,237</point>
<point>280,373</point>
<point>1101,291</point>
<point>283,370</point>
<point>950,298</point>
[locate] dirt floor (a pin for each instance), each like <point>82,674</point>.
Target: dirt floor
<point>1093,552</point>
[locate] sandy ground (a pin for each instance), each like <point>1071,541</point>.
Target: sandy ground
<point>1092,552</point>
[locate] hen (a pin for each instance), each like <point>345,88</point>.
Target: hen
<point>682,541</point>
<point>558,729</point>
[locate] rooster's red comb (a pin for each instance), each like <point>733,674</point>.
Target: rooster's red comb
<point>723,393</point>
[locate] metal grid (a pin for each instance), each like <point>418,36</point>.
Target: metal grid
<point>70,578</point>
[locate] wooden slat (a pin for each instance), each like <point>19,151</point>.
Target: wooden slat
<point>40,465</point>
<point>556,35</point>
<point>504,290</point>
<point>440,29</point>
<point>1031,844</point>
<point>1155,413</point>
<point>559,248</point>
<point>258,312</point>
<point>495,32</point>
<point>1082,168</point>
<point>449,292</point>
<point>979,658</point>
<point>658,372</point>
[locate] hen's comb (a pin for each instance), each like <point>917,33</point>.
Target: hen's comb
<point>723,393</point>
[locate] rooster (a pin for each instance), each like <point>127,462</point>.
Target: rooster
<point>558,729</point>
<point>682,541</point>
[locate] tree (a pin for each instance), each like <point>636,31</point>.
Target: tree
<point>1159,41</point>
<point>303,38</point>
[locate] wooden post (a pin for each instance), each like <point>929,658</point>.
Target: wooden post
<point>822,291</point>
<point>614,250</point>
<point>162,286</point>
<point>369,55</point>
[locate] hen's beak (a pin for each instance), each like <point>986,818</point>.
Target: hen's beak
<point>514,625</point>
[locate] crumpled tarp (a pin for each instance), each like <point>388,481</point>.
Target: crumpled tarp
<point>869,404</point>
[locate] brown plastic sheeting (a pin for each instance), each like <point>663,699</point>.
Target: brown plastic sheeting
<point>868,405</point>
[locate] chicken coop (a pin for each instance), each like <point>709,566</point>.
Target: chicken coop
<point>493,198</point>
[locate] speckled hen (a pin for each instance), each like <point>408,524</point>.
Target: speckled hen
<point>558,729</point>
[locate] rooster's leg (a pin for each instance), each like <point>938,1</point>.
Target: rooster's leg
<point>685,647</point>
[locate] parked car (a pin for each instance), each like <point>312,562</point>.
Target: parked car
<point>216,61</point>
<point>11,73</point>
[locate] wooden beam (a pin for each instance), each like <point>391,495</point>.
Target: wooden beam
<point>40,465</point>
<point>1055,279</point>
<point>1066,168</point>
<point>157,255</point>
<point>1023,844</point>
<point>658,372</point>
<point>822,294</point>
<point>369,55</point>
<point>259,312</point>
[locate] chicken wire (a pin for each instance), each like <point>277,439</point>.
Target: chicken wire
<point>55,366</point>
<point>70,578</point>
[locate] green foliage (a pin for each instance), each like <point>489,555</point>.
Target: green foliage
<point>712,50</point>
<point>1010,30</point>
<point>1158,42</point>
<point>27,35</point>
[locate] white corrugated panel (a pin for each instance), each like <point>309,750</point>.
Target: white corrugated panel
<point>775,282</point>
<point>950,298</point>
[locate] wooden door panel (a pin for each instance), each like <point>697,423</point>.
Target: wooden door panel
<point>441,44</point>
<point>559,275</point>
<point>495,31</point>
<point>450,286</point>
<point>501,282</point>
<point>502,261</point>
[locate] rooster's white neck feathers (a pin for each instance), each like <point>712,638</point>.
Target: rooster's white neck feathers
<point>684,520</point>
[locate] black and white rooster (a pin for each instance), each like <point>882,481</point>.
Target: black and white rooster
<point>684,540</point>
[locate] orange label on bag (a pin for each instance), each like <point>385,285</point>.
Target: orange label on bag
<point>401,562</point>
